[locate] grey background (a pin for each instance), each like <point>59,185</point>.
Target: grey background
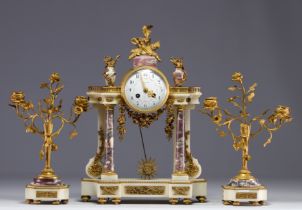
<point>262,39</point>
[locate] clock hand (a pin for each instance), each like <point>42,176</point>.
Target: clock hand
<point>150,93</point>
<point>146,90</point>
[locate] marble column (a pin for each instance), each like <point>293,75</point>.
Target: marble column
<point>101,125</point>
<point>187,120</point>
<point>109,140</point>
<point>179,149</point>
<point>94,166</point>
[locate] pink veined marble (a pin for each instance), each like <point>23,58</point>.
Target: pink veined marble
<point>179,76</point>
<point>180,142</point>
<point>144,60</point>
<point>108,158</point>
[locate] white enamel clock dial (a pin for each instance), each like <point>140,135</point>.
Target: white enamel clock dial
<point>145,89</point>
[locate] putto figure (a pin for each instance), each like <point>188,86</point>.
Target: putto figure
<point>109,72</point>
<point>236,190</point>
<point>179,75</point>
<point>47,186</point>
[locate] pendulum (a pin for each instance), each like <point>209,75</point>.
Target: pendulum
<point>147,166</point>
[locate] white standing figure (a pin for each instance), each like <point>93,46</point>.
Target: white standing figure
<point>109,72</point>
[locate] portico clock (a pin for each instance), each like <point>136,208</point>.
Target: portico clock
<point>145,89</point>
<point>143,96</point>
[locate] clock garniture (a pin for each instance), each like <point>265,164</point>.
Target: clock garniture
<point>47,186</point>
<point>244,187</point>
<point>144,95</point>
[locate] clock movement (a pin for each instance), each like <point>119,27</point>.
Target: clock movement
<point>143,96</point>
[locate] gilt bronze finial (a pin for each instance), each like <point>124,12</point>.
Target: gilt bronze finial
<point>144,45</point>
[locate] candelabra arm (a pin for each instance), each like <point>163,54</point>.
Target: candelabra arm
<point>33,125</point>
<point>270,132</point>
<point>58,131</point>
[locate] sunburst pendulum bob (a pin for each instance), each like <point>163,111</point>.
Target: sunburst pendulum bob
<point>146,167</point>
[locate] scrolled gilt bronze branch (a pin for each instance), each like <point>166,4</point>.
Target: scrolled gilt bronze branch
<point>223,118</point>
<point>47,111</point>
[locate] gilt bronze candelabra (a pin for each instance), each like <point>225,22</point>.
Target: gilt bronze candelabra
<point>225,122</point>
<point>47,111</point>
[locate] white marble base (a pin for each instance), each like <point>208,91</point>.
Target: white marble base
<point>109,177</point>
<point>57,194</point>
<point>237,195</point>
<point>180,177</point>
<point>115,190</point>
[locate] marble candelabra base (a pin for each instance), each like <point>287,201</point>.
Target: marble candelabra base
<point>42,193</point>
<point>244,195</point>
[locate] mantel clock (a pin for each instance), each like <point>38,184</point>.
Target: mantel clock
<point>143,96</point>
